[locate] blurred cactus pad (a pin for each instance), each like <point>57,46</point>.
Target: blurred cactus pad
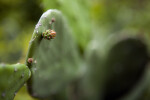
<point>117,68</point>
<point>12,78</point>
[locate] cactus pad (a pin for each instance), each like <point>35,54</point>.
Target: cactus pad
<point>12,78</point>
<point>55,60</point>
<point>116,66</point>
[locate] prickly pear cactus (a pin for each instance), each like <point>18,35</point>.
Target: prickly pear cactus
<point>52,57</point>
<point>12,78</point>
<point>116,66</point>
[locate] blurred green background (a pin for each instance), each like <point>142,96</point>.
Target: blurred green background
<point>86,18</point>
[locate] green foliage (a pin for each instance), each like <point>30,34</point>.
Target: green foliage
<point>121,15</point>
<point>12,78</point>
<point>56,61</point>
<point>16,23</point>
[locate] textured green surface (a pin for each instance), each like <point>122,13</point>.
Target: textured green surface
<point>56,61</point>
<point>12,78</point>
<point>115,66</point>
<point>78,14</point>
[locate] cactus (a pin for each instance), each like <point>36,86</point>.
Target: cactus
<point>53,61</point>
<point>12,78</point>
<point>115,67</point>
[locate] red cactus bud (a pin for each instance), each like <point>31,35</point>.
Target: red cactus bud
<point>52,33</point>
<point>30,60</point>
<point>53,20</point>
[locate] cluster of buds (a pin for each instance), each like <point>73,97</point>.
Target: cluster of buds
<point>49,34</point>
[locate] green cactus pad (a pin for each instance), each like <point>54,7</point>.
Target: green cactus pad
<point>55,61</point>
<point>12,78</point>
<point>115,66</point>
